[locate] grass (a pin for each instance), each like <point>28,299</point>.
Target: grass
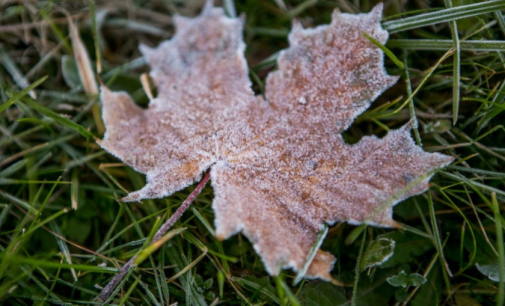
<point>63,235</point>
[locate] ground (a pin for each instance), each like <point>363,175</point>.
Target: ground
<point>63,234</point>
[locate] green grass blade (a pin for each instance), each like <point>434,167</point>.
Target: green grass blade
<point>438,241</point>
<point>155,246</point>
<point>21,94</point>
<point>418,88</point>
<point>151,296</point>
<point>40,284</point>
<point>254,287</point>
<point>94,27</point>
<point>386,51</point>
<point>204,221</point>
<point>50,264</point>
<point>445,15</point>
<point>280,289</point>
<point>289,294</point>
<point>63,248</point>
<point>58,118</point>
<point>18,201</point>
<point>495,110</point>
<point>357,271</point>
<point>14,71</point>
<point>412,108</point>
<point>446,44</point>
<point>56,30</point>
<point>456,69</point>
<point>165,292</point>
<point>129,292</point>
<point>13,168</point>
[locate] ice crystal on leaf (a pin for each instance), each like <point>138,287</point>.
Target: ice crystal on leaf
<point>279,166</point>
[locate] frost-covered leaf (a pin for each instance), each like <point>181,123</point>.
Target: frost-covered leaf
<point>279,166</point>
<point>404,280</point>
<point>487,262</point>
<point>408,246</point>
<point>377,252</point>
<point>491,270</point>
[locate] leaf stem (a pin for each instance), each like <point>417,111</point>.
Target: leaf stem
<point>108,289</point>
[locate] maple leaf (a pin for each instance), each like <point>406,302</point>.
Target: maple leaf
<point>279,167</point>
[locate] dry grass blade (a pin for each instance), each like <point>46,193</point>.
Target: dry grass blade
<point>83,62</point>
<point>86,73</point>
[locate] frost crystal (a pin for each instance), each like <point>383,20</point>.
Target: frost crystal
<point>279,167</point>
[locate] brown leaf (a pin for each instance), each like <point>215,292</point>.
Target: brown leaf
<point>279,167</point>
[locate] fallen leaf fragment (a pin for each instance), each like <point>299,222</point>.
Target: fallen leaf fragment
<point>279,167</point>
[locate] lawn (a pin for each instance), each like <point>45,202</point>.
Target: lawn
<point>64,233</point>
